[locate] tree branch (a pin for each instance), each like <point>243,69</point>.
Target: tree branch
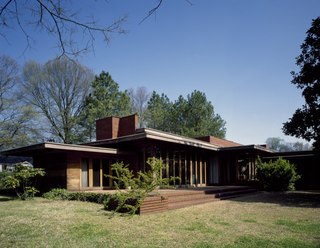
<point>152,11</point>
<point>5,6</point>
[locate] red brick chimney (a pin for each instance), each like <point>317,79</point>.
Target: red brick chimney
<point>114,127</point>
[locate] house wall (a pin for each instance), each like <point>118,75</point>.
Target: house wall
<point>73,172</point>
<point>98,164</point>
<point>55,168</point>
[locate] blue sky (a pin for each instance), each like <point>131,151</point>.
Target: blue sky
<point>240,53</point>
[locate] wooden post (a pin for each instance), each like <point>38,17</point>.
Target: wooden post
<point>205,173</point>
<point>174,166</point>
<point>180,172</point>
<point>185,169</point>
<point>167,165</point>
<point>190,159</point>
<point>161,166</point>
<point>196,169</point>
<point>110,173</point>
<point>101,174</point>
<point>144,160</point>
<point>90,174</point>
<point>200,164</point>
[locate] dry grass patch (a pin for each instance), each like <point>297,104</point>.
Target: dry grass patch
<point>261,220</point>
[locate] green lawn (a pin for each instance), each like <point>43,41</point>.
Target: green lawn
<point>260,220</point>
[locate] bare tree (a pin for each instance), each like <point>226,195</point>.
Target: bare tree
<point>14,117</point>
<point>59,19</point>
<point>139,103</point>
<point>58,89</point>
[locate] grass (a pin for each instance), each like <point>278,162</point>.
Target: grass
<point>260,220</point>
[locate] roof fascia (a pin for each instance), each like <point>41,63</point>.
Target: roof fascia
<point>64,147</point>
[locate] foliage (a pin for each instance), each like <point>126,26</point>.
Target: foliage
<point>63,194</point>
<point>191,117</point>
<point>195,116</point>
<point>57,194</point>
<point>305,122</point>
<point>105,100</point>
<point>280,145</point>
<point>16,119</point>
<point>22,181</point>
<point>278,175</point>
<point>58,89</point>
<point>137,187</point>
<point>158,112</point>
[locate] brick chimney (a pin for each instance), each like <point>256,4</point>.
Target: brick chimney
<point>114,127</point>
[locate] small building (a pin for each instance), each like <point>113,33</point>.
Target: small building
<point>8,163</point>
<point>197,162</point>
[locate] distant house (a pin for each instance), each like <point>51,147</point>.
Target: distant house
<point>8,163</point>
<point>198,162</point>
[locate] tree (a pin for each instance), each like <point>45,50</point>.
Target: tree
<point>74,32</point>
<point>158,111</point>
<point>195,117</point>
<point>305,122</point>
<point>139,103</point>
<point>191,117</point>
<point>16,120</point>
<point>58,19</point>
<point>105,100</point>
<point>280,145</point>
<point>58,90</point>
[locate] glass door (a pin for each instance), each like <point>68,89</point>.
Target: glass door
<point>84,173</point>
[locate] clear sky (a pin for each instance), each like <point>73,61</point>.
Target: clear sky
<point>239,52</point>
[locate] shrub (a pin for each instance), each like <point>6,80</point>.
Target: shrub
<point>57,194</point>
<point>138,187</point>
<point>21,180</point>
<point>278,175</point>
<point>63,194</point>
<point>123,203</point>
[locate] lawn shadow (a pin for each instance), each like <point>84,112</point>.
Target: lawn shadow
<point>6,198</point>
<point>306,199</point>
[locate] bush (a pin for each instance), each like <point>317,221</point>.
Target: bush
<point>22,180</point>
<point>278,175</point>
<point>139,186</point>
<point>63,194</point>
<point>123,203</point>
<point>57,194</point>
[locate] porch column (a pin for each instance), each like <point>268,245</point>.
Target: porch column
<point>200,164</point>
<point>180,172</point>
<point>110,173</point>
<point>190,159</point>
<point>90,174</point>
<point>101,174</point>
<point>205,172</point>
<point>196,169</point>
<point>167,164</point>
<point>185,169</point>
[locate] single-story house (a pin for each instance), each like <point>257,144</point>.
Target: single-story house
<point>198,162</point>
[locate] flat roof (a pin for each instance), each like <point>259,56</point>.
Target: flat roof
<point>62,147</point>
<point>246,147</point>
<point>149,133</point>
